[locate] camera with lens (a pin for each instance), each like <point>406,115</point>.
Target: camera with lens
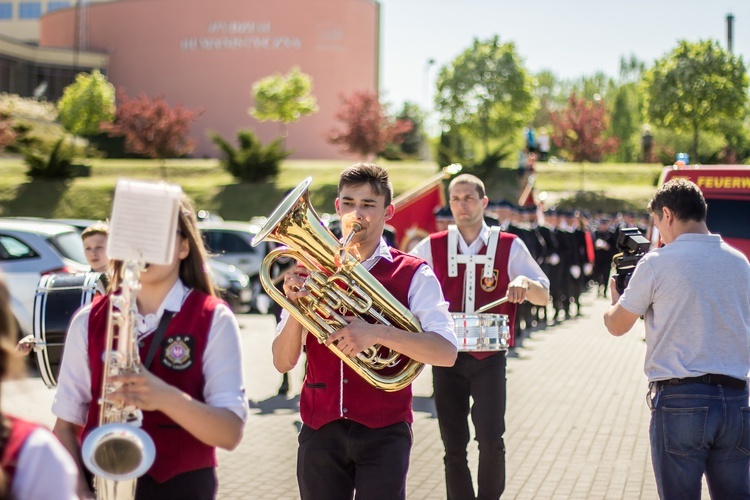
<point>632,246</point>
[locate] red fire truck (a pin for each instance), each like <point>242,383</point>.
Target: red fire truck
<point>726,189</point>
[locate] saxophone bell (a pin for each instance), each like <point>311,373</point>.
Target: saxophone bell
<point>118,452</point>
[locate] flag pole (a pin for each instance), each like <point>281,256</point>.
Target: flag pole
<point>445,173</point>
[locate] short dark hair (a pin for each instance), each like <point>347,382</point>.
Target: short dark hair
<point>469,179</point>
<point>683,198</point>
<point>371,174</point>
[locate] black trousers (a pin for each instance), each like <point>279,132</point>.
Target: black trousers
<point>199,484</point>
<point>483,381</point>
<point>343,457</point>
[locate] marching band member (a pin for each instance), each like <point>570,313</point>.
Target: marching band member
<point>477,265</point>
<point>191,393</point>
<point>356,437</point>
<point>28,451</point>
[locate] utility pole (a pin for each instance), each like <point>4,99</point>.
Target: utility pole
<point>730,31</point>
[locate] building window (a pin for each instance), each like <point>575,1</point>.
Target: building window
<point>52,6</point>
<point>29,10</point>
<point>6,10</point>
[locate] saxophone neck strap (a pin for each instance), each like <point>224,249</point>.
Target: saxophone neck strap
<point>166,317</point>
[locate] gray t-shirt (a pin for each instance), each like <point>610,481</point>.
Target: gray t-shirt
<point>695,296</point>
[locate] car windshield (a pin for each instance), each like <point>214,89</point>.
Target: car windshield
<point>729,218</point>
<point>70,246</point>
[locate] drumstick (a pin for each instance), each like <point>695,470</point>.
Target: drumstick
<point>491,305</point>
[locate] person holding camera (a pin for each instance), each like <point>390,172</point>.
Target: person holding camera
<point>694,294</point>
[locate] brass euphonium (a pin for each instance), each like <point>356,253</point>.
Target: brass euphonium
<point>339,286</point>
<point>117,452</point>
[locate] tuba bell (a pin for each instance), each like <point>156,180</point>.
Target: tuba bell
<point>339,286</point>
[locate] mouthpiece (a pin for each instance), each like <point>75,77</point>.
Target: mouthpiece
<point>356,227</point>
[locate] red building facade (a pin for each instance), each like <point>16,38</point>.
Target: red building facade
<point>206,54</point>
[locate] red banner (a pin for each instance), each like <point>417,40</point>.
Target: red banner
<point>414,218</point>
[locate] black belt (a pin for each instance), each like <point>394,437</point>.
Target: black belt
<point>710,378</point>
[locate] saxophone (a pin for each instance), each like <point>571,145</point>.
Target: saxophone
<point>117,452</point>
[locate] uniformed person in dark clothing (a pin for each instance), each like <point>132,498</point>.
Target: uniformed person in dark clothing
<point>605,241</point>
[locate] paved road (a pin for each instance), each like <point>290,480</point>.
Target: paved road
<point>577,423</point>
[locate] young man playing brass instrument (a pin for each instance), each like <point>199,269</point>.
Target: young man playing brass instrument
<point>357,437</point>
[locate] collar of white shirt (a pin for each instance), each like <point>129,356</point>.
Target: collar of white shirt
<point>172,302</point>
<point>473,248</point>
<point>383,251</point>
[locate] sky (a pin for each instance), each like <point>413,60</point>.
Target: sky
<point>572,38</point>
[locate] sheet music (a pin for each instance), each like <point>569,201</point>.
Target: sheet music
<point>144,221</point>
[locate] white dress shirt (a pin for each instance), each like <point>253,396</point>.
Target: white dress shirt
<point>426,299</point>
<point>520,261</point>
<point>45,469</point>
<point>222,360</point>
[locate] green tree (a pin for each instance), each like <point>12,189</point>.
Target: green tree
<point>283,98</point>
<point>696,88</point>
<point>485,93</point>
<point>413,141</point>
<point>627,110</point>
<point>86,103</point>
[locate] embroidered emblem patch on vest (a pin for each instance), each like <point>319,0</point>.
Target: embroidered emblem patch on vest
<point>177,353</point>
<point>489,284</point>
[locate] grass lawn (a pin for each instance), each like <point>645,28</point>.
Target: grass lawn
<point>211,188</point>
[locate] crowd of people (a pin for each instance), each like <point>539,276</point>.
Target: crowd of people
<point>574,248</point>
<point>526,265</point>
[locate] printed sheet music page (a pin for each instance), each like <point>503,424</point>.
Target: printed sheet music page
<point>144,221</point>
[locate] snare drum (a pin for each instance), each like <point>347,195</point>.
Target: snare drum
<point>481,332</point>
<point>58,297</point>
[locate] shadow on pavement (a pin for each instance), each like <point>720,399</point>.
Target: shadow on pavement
<point>425,405</point>
<point>271,405</point>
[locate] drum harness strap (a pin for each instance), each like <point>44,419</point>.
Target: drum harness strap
<point>471,261</point>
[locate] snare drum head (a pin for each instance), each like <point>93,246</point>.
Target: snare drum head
<point>481,332</point>
<point>57,299</point>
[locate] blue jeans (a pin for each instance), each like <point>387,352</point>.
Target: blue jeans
<point>696,429</point>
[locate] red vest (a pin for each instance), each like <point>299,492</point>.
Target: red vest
<point>332,390</point>
<point>179,362</point>
<point>20,430</point>
<point>453,288</point>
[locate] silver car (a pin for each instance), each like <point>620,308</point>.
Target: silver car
<point>30,249</point>
<point>230,242</point>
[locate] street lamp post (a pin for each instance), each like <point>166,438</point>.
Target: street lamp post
<point>427,108</point>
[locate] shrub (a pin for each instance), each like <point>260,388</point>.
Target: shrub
<point>54,164</point>
<point>16,106</point>
<point>250,161</point>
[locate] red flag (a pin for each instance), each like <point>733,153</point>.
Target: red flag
<point>589,246</point>
<point>414,217</point>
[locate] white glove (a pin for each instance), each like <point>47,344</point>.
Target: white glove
<point>553,259</point>
<point>588,268</point>
<point>575,271</point>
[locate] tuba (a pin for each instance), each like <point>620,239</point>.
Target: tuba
<point>117,452</point>
<point>339,286</point>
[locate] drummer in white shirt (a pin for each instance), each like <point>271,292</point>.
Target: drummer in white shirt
<point>477,265</point>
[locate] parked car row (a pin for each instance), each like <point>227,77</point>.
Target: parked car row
<point>33,247</point>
